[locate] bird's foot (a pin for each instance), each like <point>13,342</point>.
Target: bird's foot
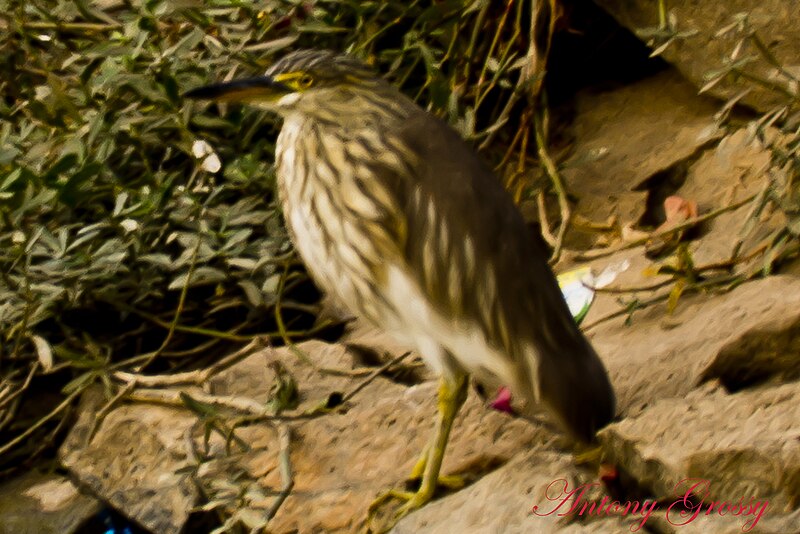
<point>384,513</point>
<point>448,482</point>
<point>392,505</point>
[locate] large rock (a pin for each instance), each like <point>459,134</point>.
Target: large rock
<point>139,460</point>
<point>738,455</point>
<point>702,50</point>
<point>43,504</point>
<point>134,461</point>
<point>659,355</point>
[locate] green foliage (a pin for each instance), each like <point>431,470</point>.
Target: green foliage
<point>131,221</point>
<point>102,199</point>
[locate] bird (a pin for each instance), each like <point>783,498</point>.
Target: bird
<point>403,223</point>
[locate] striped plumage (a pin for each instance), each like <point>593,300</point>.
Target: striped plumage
<point>398,219</point>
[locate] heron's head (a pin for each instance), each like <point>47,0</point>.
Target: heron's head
<point>317,83</point>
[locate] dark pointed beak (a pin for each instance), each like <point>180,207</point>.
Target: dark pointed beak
<point>260,88</point>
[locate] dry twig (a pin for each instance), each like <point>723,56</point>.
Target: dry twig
<point>662,233</point>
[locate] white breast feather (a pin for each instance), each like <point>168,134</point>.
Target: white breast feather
<point>420,324</point>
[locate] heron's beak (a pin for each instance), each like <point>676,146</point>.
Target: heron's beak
<point>258,89</point>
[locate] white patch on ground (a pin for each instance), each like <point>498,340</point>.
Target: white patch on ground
<point>53,494</point>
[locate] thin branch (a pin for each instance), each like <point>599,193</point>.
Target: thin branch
<point>256,410</point>
<point>71,26</point>
<point>767,54</point>
<point>22,388</point>
<point>173,398</point>
<point>30,430</point>
<point>377,372</point>
<point>632,289</point>
<point>208,332</point>
<point>667,231</point>
<point>759,202</point>
<point>284,462</point>
<point>638,305</point>
<point>540,125</point>
<point>197,377</point>
<point>181,302</point>
<point>106,409</point>
<point>544,224</point>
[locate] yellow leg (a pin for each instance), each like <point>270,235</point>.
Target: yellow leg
<point>452,394</point>
<point>451,482</point>
<point>419,467</point>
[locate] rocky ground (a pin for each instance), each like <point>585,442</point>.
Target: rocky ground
<point>708,392</point>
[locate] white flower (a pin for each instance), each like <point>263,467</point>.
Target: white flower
<point>202,150</point>
<point>129,225</point>
<point>211,163</point>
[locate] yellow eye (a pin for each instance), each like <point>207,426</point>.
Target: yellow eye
<point>305,81</point>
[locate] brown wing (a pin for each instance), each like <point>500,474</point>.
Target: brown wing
<point>472,251</point>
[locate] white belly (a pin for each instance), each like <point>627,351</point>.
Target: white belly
<point>419,323</point>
